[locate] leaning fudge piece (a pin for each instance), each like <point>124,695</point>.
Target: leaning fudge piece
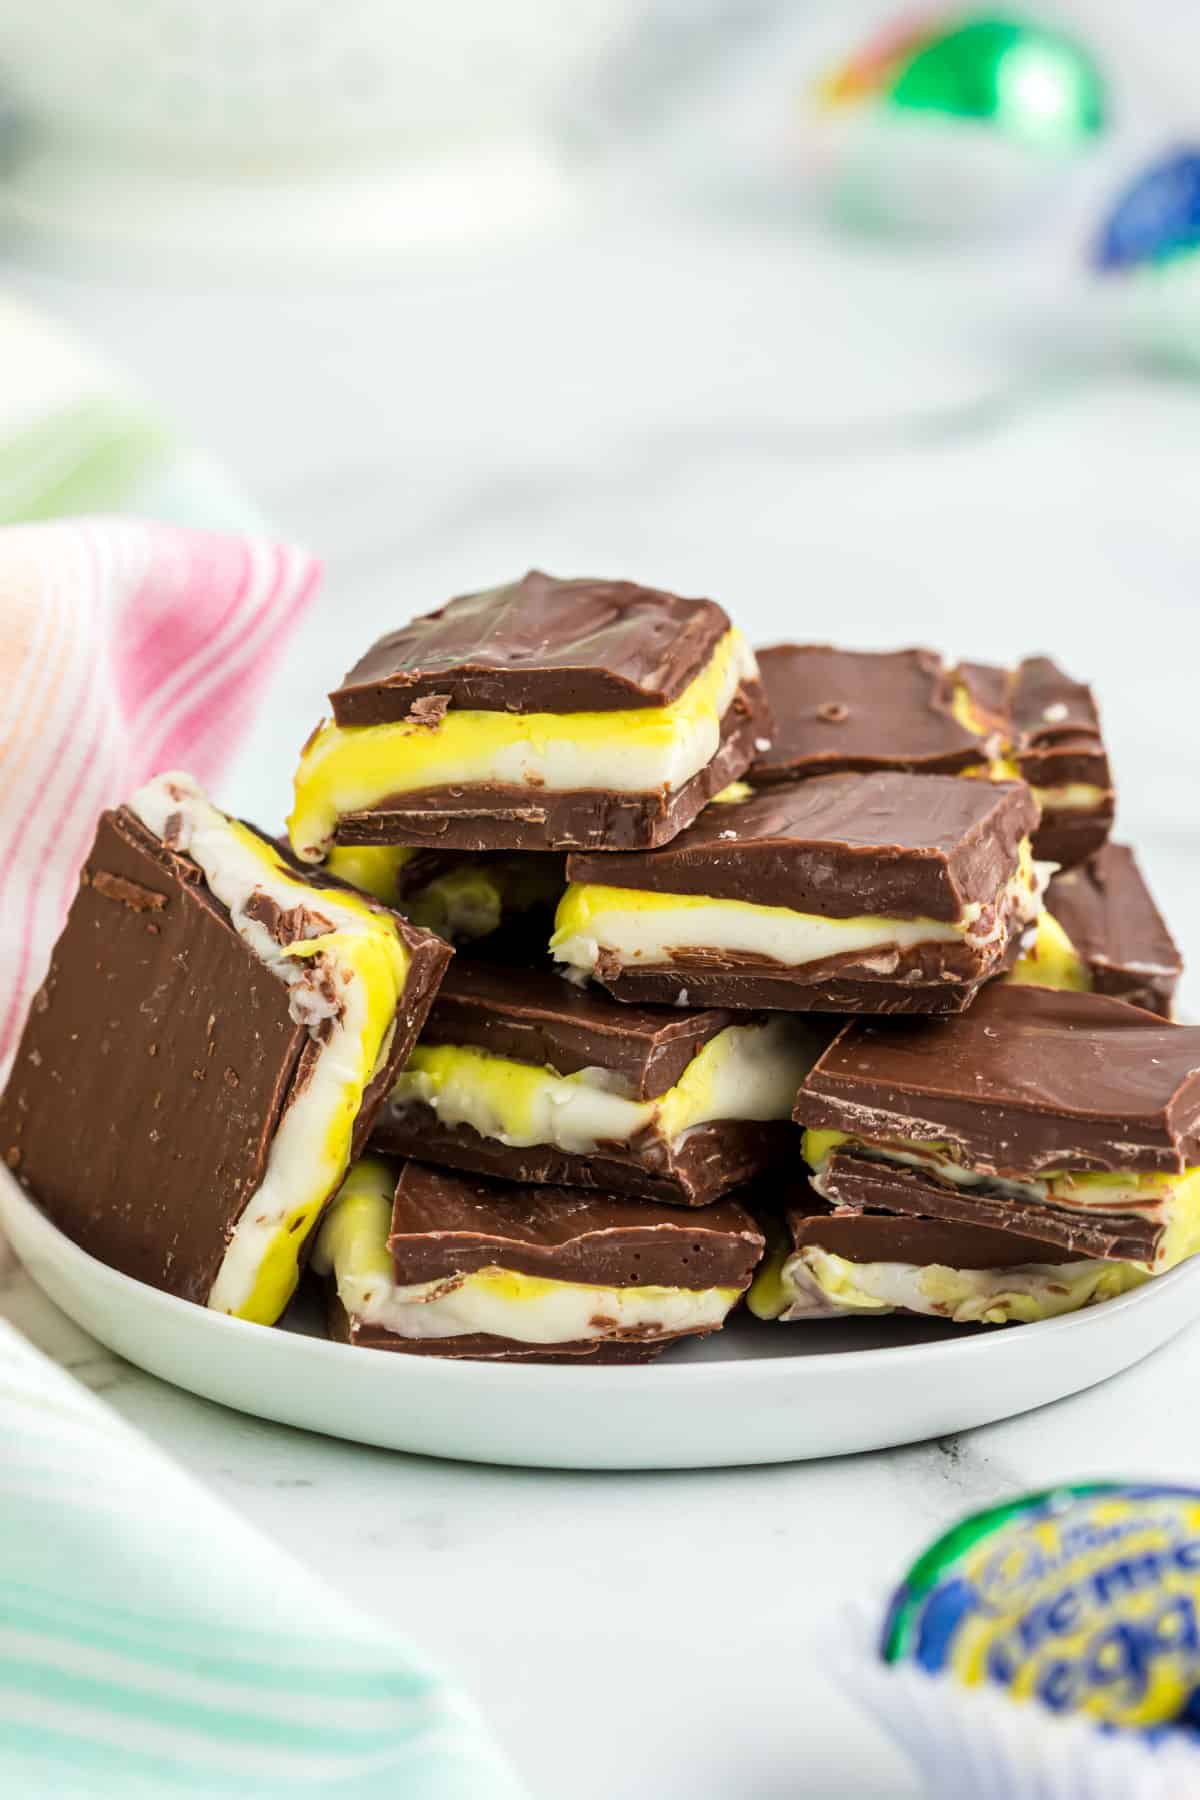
<point>1102,932</point>
<point>907,710</point>
<point>209,1050</point>
<point>840,1265</point>
<point>541,715</point>
<point>472,1268</point>
<point>494,903</point>
<point>521,1075</point>
<point>848,893</point>
<point>1070,1118</point>
<point>834,710</point>
<point>1051,736</point>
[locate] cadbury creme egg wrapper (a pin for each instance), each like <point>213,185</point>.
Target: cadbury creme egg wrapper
<point>1083,1598</point>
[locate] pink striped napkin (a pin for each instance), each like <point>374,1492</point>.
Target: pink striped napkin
<point>125,647</point>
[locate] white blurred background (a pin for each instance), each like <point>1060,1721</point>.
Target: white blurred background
<point>452,291</point>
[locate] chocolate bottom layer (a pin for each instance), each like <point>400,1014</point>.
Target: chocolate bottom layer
<point>494,816</point>
<point>791,990</point>
<point>710,1161</point>
<point>789,994</point>
<point>863,1184</point>
<point>480,1346</point>
<point>1068,837</point>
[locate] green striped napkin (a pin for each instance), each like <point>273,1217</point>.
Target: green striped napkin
<point>76,436</point>
<point>153,1644</point>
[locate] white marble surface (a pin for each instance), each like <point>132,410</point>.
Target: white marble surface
<point>835,443</point>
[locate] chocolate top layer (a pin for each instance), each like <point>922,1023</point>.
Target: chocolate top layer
<point>886,1237</point>
<point>451,1224</point>
<point>1108,912</point>
<point>904,846</point>
<point>858,709</point>
<point>1027,1080</point>
<point>537,645</point>
<point>1048,708</point>
<point>538,1017</point>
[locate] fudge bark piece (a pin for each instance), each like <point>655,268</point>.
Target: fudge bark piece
<point>541,715</point>
<point>827,1264</point>
<point>1051,734</point>
<point>448,1266</point>
<point>210,1047</point>
<point>834,710</point>
<point>1102,932</point>
<point>908,710</point>
<point>875,892</point>
<point>1068,1117</point>
<point>519,1074</point>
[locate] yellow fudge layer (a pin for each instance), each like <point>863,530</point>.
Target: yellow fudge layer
<point>968,715</point>
<point>1170,1200</point>
<point>1052,960</point>
<point>527,1309</point>
<point>352,768</point>
<point>372,868</point>
<point>745,1072</point>
<point>346,980</point>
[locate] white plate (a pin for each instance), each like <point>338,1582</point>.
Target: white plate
<point>751,1394</point>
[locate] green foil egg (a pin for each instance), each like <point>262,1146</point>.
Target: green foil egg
<point>946,127</point>
<point>1037,86</point>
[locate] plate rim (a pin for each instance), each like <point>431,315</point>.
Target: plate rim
<point>14,1198</point>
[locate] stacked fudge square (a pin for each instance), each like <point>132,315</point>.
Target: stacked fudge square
<point>609,977</point>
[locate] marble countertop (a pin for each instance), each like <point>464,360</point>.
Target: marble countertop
<point>836,443</point>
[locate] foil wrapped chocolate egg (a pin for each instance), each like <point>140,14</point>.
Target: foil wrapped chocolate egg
<point>1156,219</point>
<point>1083,1599</point>
<point>1147,252</point>
<point>952,126</point>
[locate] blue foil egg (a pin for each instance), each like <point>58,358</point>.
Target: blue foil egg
<point>1157,218</point>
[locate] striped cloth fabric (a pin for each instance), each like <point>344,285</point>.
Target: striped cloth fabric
<point>152,1644</point>
<point>125,647</point>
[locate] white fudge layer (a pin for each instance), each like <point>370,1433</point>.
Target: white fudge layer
<point>816,1284</point>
